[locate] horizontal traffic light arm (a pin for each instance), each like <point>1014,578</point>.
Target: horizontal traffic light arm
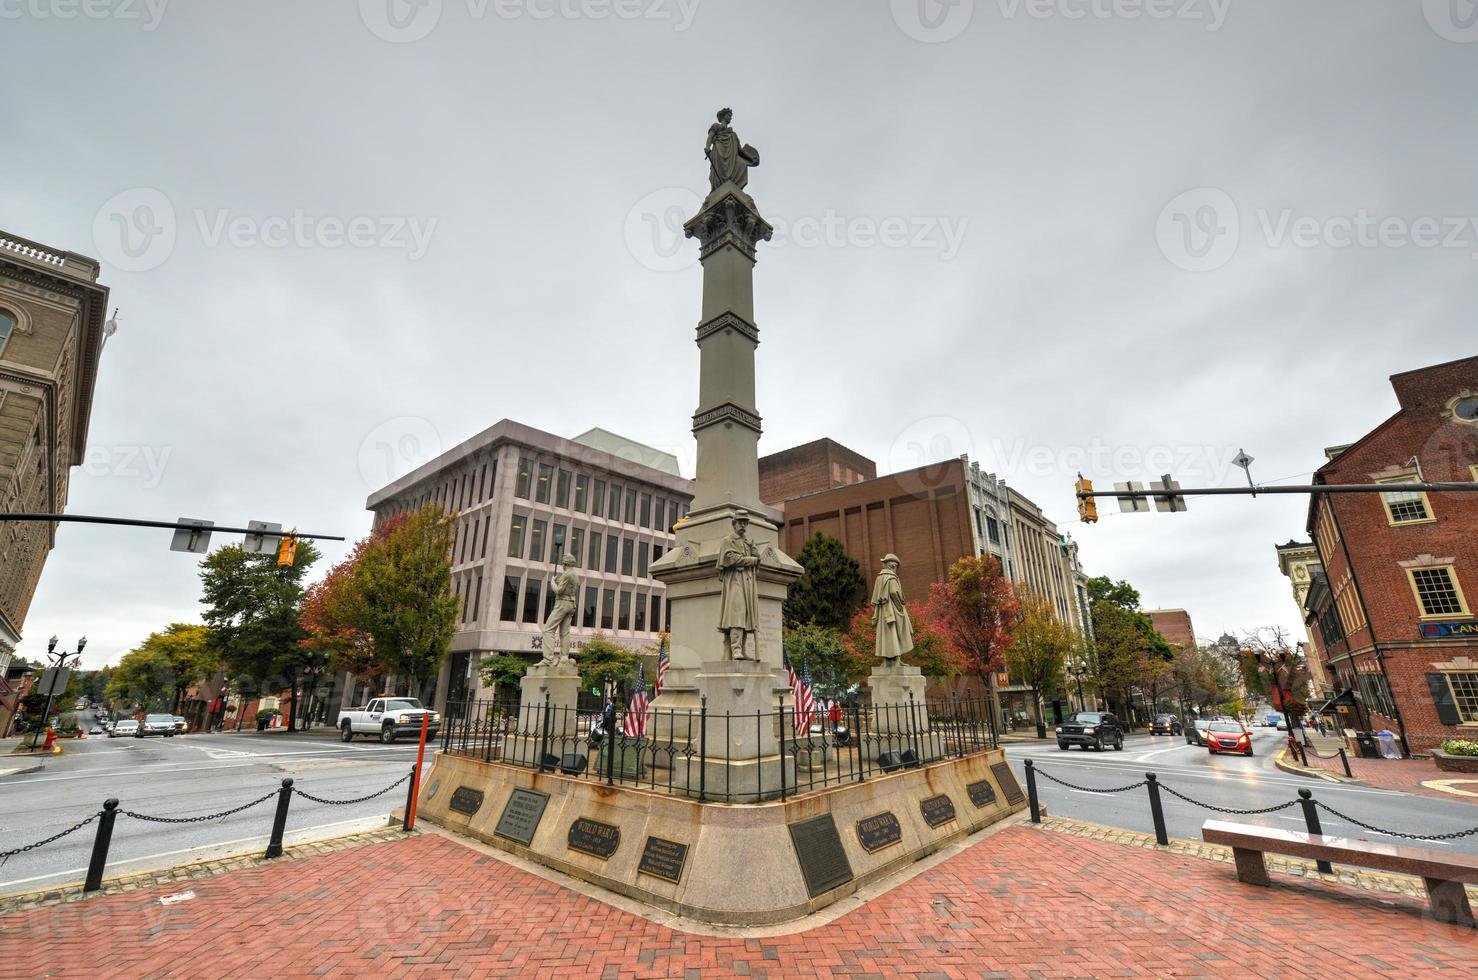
<point>172,525</point>
<point>1254,491</point>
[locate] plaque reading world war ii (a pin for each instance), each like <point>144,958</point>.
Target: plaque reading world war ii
<point>1009,785</point>
<point>937,810</point>
<point>663,859</point>
<point>466,800</point>
<point>593,837</point>
<point>877,832</point>
<point>818,848</point>
<point>982,794</point>
<point>521,815</point>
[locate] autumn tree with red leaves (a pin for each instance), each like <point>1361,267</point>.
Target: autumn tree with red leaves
<point>975,610</point>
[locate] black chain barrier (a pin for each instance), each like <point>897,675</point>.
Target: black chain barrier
<point>200,819</point>
<point>5,855</point>
<point>359,799</point>
<point>1223,809</point>
<point>1089,789</point>
<point>1392,833</point>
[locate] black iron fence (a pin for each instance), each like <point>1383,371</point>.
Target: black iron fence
<point>719,756</point>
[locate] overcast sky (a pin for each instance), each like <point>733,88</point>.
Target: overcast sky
<point>1116,237</point>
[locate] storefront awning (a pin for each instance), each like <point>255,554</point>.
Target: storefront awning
<point>1345,698</point>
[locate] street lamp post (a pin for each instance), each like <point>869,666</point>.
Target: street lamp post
<point>59,661</point>
<point>1075,667</point>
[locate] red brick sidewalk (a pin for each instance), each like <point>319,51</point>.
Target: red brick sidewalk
<point>1022,903</point>
<point>1403,775</point>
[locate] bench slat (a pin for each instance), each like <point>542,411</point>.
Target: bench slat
<point>1420,861</point>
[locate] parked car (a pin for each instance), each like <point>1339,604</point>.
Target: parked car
<point>1095,728</point>
<point>1165,725</point>
<point>180,724</point>
<point>388,718</point>
<point>1228,736</point>
<point>95,730</point>
<point>156,725</point>
<point>125,727</point>
<point>1196,734</point>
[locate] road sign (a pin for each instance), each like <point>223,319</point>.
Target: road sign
<point>54,680</point>
<point>264,538</point>
<point>195,540</point>
<point>1132,505</point>
<point>1168,500</point>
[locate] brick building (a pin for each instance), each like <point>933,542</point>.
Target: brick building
<point>1389,608</point>
<point>818,465</point>
<point>1174,625</point>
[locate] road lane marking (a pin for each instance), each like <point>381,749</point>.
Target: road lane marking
<point>159,771</point>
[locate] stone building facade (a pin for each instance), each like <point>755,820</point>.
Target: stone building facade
<point>52,310</point>
<point>522,498</point>
<point>1299,563</point>
<point>1391,610</point>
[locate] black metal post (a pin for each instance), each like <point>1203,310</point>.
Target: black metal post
<point>782,749</point>
<point>857,733</point>
<point>1311,817</point>
<point>279,822</point>
<point>703,748</point>
<point>611,752</point>
<point>544,732</point>
<point>1156,811</point>
<point>1031,791</point>
<point>1345,761</point>
<point>100,846</point>
<point>410,799</point>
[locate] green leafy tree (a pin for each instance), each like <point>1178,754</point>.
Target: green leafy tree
<point>400,595</point>
<point>605,666</point>
<point>1040,646</point>
<point>829,590</point>
<point>1128,649</point>
<point>142,678</point>
<point>835,668</point>
<point>252,609</point>
<point>503,671</point>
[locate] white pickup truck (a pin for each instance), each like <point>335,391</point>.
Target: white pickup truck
<point>387,718</point>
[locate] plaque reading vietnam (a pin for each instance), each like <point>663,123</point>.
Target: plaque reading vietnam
<point>466,800</point>
<point>521,815</point>
<point>937,810</point>
<point>877,832</point>
<point>593,837</point>
<point>1009,785</point>
<point>818,848</point>
<point>663,859</point>
<point>982,794</point>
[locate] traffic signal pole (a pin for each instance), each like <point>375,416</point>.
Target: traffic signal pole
<point>1255,491</point>
<point>169,525</point>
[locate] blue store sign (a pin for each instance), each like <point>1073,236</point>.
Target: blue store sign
<point>1436,631</point>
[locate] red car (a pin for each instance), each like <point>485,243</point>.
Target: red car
<point>1228,736</point>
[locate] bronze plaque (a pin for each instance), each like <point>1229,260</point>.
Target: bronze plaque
<point>1009,785</point>
<point>466,800</point>
<point>818,848</point>
<point>879,831</point>
<point>521,815</point>
<point>593,837</point>
<point>663,859</point>
<point>937,810</point>
<point>982,794</point>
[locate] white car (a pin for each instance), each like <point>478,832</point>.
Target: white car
<point>388,717</point>
<point>125,727</point>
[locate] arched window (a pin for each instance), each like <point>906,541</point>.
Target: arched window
<point>7,327</point>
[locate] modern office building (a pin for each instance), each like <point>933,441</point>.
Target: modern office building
<point>52,310</point>
<point>522,498</point>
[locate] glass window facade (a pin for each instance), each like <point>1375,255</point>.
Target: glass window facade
<point>613,547</point>
<point>641,559</point>
<point>625,620</point>
<point>562,489</point>
<point>594,563</point>
<point>608,609</point>
<point>536,540</point>
<point>630,506</point>
<point>546,477</point>
<point>656,613</point>
<point>582,493</point>
<point>645,516</point>
<point>525,477</point>
<point>509,612</point>
<point>531,594</point>
<point>515,536</point>
<point>589,613</point>
<point>613,505</point>
<point>639,611</point>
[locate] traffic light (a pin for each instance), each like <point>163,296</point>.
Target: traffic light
<point>287,549</point>
<point>1087,506</point>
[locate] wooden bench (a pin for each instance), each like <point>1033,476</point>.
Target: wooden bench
<point>1443,874</point>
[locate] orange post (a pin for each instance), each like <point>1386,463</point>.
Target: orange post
<point>410,814</point>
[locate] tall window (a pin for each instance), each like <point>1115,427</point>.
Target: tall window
<point>659,511</point>
<point>487,529</point>
<point>561,541</point>
<point>515,536</point>
<point>598,498</point>
<point>582,490</point>
<point>646,510</point>
<point>613,506</point>
<point>509,612</point>
<point>592,599</point>
<point>536,541</point>
<point>656,613</point>
<point>7,327</point>
<point>531,595</point>
<point>1406,506</point>
<point>640,612</point>
<point>1464,686</point>
<point>1437,591</point>
<point>562,489</point>
<point>630,506</point>
<point>594,563</point>
<point>546,477</point>
<point>625,621</point>
<point>525,477</point>
<point>477,598</point>
<point>608,609</point>
<point>482,484</point>
<point>641,559</point>
<point>628,549</point>
<point>577,543</point>
<point>613,546</point>
<point>671,515</point>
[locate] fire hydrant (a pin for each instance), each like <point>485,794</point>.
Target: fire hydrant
<point>50,737</point>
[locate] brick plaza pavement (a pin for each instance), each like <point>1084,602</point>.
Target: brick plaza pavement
<point>1023,903</point>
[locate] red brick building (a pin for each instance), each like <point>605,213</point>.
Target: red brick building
<point>819,465</point>
<point>1389,607</point>
<point>1174,625</point>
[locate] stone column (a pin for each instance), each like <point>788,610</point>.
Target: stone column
<point>557,732</point>
<point>899,714</point>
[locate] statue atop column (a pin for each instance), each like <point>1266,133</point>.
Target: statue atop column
<point>738,559</point>
<point>728,160</point>
<point>566,587</point>
<point>890,615</point>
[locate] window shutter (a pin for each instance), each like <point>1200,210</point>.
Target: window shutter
<point>1442,698</point>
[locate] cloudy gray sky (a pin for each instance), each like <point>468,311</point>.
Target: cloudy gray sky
<point>1118,237</point>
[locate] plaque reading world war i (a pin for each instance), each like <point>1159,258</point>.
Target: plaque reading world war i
<point>521,815</point>
<point>663,859</point>
<point>982,794</point>
<point>818,848</point>
<point>466,800</point>
<point>593,837</point>
<point>1009,785</point>
<point>937,810</point>
<point>877,832</point>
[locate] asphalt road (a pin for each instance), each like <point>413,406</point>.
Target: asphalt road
<point>1236,782</point>
<point>184,776</point>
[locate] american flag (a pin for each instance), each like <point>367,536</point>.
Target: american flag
<point>800,686</point>
<point>662,664</point>
<point>636,711</point>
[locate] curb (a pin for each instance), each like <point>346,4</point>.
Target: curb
<point>37,767</point>
<point>1281,761</point>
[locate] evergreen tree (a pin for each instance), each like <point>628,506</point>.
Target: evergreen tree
<point>830,589</point>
